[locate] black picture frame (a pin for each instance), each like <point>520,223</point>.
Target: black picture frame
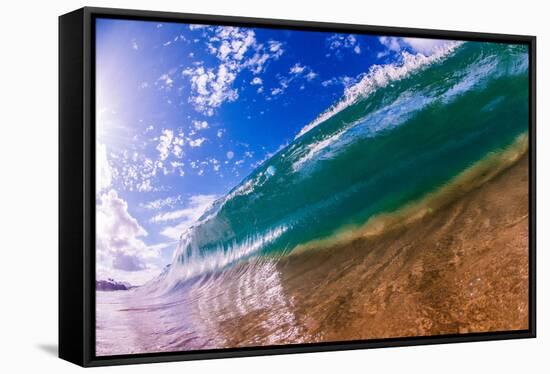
<point>77,185</point>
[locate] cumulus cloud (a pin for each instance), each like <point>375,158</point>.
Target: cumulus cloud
<point>169,143</point>
<point>390,42</point>
<point>166,81</point>
<point>215,164</point>
<point>177,151</point>
<point>236,49</point>
<point>418,45</point>
<point>165,143</point>
<point>196,142</point>
<point>197,27</point>
<point>157,204</point>
<point>297,69</point>
<point>276,48</point>
<point>344,80</point>
<point>295,73</point>
<point>256,81</point>
<point>138,170</point>
<point>200,125</point>
<point>311,75</point>
<point>144,186</point>
<point>211,87</point>
<point>338,42</point>
<point>119,244</point>
<point>104,173</point>
<point>425,46</point>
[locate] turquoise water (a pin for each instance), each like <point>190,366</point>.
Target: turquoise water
<point>402,133</point>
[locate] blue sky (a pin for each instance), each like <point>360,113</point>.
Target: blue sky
<point>185,112</point>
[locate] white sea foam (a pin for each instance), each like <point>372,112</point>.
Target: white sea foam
<point>188,262</point>
<point>380,76</point>
<point>312,150</point>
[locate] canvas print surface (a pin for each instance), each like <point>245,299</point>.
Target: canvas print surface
<point>260,187</point>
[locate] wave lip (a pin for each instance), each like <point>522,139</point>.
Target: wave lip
<point>380,76</point>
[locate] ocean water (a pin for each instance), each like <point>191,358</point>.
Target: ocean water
<point>403,131</point>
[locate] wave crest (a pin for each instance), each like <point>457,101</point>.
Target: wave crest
<point>380,76</point>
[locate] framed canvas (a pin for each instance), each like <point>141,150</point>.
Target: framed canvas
<point>236,186</point>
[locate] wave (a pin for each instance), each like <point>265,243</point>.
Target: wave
<point>473,177</point>
<point>380,76</point>
<point>196,264</point>
<point>403,132</point>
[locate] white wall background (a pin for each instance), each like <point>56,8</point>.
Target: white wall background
<point>28,184</point>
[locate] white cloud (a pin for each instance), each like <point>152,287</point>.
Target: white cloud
<point>382,54</point>
<point>390,42</point>
<point>144,186</point>
<point>177,165</point>
<point>297,69</point>
<point>133,170</point>
<point>220,132</point>
<point>419,45</point>
<point>256,81</point>
<point>136,172</point>
<point>200,125</point>
<point>215,164</point>
<point>166,80</point>
<point>165,143</point>
<point>119,244</point>
<point>169,143</point>
<point>276,48</point>
<point>212,87</point>
<point>197,27</point>
<point>311,75</point>
<point>230,155</point>
<point>163,245</point>
<point>157,204</point>
<point>257,63</point>
<point>196,142</point>
<point>104,173</point>
<point>340,41</point>
<point>135,46</point>
<point>236,49</point>
<point>425,46</point>
<point>344,80</point>
<point>296,72</point>
<point>197,205</point>
<point>177,151</point>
